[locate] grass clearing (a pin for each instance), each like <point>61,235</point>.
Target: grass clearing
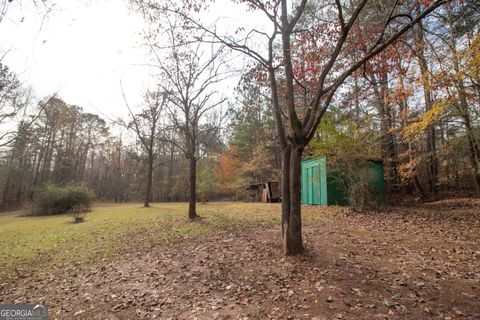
<point>31,243</point>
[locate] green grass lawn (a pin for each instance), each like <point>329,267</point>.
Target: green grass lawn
<point>32,243</point>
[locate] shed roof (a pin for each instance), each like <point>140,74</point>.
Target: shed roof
<point>372,159</point>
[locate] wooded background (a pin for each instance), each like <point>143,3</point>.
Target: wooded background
<point>416,106</point>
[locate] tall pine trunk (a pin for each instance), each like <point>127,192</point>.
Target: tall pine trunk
<point>431,147</point>
<point>380,89</point>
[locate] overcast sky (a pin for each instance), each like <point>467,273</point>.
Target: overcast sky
<point>82,51</point>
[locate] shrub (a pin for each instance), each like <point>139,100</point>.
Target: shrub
<point>78,213</point>
<point>361,195</point>
<point>59,200</point>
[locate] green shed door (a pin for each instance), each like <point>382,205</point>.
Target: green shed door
<point>305,185</point>
<point>314,181</point>
<point>323,182</point>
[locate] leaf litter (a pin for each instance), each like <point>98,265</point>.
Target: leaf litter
<point>419,262</point>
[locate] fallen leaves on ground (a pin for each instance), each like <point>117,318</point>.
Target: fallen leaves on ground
<point>419,262</point>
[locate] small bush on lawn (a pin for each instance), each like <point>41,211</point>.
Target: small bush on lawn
<point>78,213</point>
<point>59,200</point>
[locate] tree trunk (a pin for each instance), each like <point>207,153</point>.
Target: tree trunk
<point>431,135</point>
<point>415,180</point>
<point>473,155</point>
<point>431,151</point>
<point>380,88</point>
<point>474,152</point>
<point>192,201</point>
<point>6,196</point>
<point>418,186</point>
<point>170,177</point>
<point>286,153</point>
<point>148,189</point>
<point>292,219</point>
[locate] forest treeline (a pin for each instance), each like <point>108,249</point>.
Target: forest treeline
<point>416,106</point>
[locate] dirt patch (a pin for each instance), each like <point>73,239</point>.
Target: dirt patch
<point>419,262</point>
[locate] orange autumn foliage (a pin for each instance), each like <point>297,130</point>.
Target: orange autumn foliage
<point>228,170</point>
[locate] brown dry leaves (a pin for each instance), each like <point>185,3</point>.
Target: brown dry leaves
<point>418,262</point>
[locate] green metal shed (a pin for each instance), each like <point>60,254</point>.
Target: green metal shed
<point>321,186</point>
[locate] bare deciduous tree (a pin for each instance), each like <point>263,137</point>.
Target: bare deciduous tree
<point>189,72</point>
<point>146,126</point>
